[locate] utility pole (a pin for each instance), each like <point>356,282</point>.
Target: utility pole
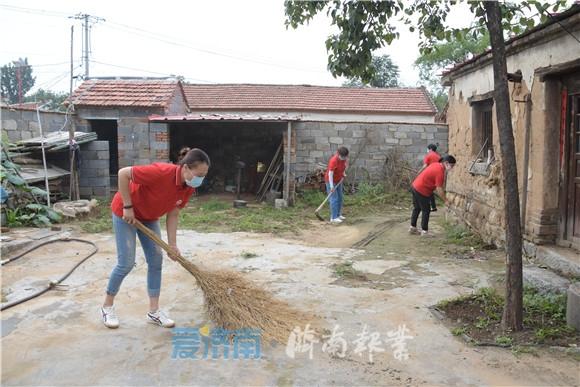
<point>88,20</point>
<point>72,32</point>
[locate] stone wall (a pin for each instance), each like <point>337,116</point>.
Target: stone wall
<point>21,124</point>
<point>94,178</point>
<point>369,144</point>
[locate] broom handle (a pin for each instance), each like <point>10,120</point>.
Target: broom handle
<point>328,196</point>
<point>158,241</point>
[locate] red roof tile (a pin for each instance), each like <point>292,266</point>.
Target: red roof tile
<point>126,93</point>
<point>305,98</point>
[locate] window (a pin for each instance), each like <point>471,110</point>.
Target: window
<point>482,128</point>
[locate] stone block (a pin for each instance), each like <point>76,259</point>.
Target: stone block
<point>90,172</point>
<point>323,147</point>
<point>98,146</point>
<point>392,140</point>
<point>406,141</point>
<point>335,140</point>
<point>427,136</point>
<point>101,192</point>
<point>316,133</point>
<point>545,281</point>
<point>99,182</point>
<point>26,134</point>
<point>306,140</point>
<point>358,133</point>
<point>95,164</point>
<point>33,126</point>
<point>85,192</point>
<point>441,136</point>
<point>9,124</point>
<point>431,129</point>
<point>400,135</point>
<point>316,153</point>
<point>573,306</point>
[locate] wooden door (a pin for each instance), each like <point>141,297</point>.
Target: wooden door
<point>573,183</point>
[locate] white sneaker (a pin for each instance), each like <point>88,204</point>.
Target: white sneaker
<point>426,234</point>
<point>341,217</point>
<point>160,318</point>
<point>109,317</point>
<point>413,230</point>
<point>336,221</point>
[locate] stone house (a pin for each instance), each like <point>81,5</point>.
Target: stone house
<point>544,67</point>
<point>150,120</point>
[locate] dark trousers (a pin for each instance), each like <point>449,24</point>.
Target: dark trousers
<point>421,204</point>
<point>433,205</point>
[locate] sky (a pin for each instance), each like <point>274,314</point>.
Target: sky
<point>206,41</point>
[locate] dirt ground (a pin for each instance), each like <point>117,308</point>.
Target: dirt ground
<point>58,339</point>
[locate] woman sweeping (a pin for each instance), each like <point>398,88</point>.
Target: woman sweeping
<point>431,157</point>
<point>333,178</point>
<point>146,193</point>
<point>429,181</point>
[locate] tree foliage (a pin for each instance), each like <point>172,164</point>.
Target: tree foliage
<point>54,99</point>
<point>9,79</point>
<point>386,74</point>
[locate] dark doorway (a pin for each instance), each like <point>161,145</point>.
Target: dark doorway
<point>254,143</point>
<point>107,131</point>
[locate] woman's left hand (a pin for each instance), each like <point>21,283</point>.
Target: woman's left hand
<point>174,253</point>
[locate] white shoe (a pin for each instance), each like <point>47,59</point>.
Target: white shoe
<point>160,318</point>
<point>336,221</point>
<point>341,217</point>
<point>109,317</point>
<point>426,234</point>
<point>413,230</point>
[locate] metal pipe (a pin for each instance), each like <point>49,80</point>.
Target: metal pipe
<point>43,154</point>
<point>288,161</point>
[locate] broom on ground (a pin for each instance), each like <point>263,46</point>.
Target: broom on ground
<point>232,302</point>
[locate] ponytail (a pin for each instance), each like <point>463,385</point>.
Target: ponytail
<point>448,158</point>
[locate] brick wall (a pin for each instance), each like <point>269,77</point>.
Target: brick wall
<point>23,124</point>
<point>94,178</point>
<point>368,143</point>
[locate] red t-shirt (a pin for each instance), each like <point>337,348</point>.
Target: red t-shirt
<point>431,157</point>
<point>337,166</point>
<point>432,177</point>
<point>156,189</point>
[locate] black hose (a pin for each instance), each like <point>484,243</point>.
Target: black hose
<point>51,284</point>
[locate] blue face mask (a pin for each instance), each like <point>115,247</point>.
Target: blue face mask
<point>195,182</point>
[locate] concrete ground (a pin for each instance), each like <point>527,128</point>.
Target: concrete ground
<point>58,338</point>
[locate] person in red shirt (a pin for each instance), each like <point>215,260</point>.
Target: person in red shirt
<point>333,176</point>
<point>431,157</point>
<point>146,193</point>
<point>428,182</point>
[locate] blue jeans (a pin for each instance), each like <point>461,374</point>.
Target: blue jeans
<point>126,245</point>
<point>335,201</point>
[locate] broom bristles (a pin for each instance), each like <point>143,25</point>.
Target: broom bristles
<point>232,303</point>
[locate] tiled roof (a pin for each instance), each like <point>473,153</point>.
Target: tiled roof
<point>305,98</point>
<point>125,93</point>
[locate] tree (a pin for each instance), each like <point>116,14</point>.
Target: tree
<point>16,80</point>
<point>54,99</point>
<point>444,55</point>
<point>386,74</point>
<point>365,26</point>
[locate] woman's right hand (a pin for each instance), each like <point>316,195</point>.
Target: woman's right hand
<point>129,215</point>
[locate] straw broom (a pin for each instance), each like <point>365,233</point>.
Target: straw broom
<point>232,302</point>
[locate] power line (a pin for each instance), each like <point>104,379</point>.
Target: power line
<point>33,11</point>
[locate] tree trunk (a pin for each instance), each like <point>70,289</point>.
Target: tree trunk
<point>513,310</point>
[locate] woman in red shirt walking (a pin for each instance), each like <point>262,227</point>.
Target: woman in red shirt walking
<point>429,181</point>
<point>146,193</point>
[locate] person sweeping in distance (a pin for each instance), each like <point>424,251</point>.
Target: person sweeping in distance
<point>146,193</point>
<point>431,157</point>
<point>429,181</point>
<point>333,176</point>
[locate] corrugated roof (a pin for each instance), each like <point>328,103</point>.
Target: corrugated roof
<point>305,98</point>
<point>125,93</point>
<point>224,117</point>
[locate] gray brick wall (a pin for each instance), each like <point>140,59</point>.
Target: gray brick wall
<point>23,124</point>
<point>368,143</point>
<point>94,178</point>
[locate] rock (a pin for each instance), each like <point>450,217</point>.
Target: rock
<point>573,306</point>
<point>544,280</point>
<point>75,208</point>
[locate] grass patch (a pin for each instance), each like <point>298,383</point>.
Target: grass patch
<point>345,270</point>
<point>479,316</point>
<point>461,235</point>
<point>100,221</point>
<point>458,331</point>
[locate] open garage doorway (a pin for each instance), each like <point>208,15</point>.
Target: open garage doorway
<point>226,143</point>
<point>107,131</point>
